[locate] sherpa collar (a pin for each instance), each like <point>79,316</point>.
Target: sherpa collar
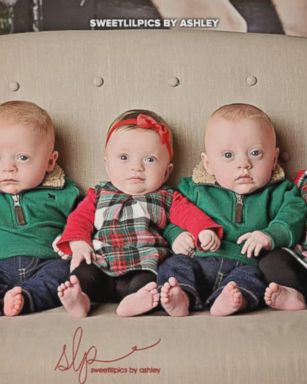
<point>54,179</point>
<point>201,176</point>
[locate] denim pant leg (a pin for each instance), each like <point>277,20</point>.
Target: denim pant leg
<point>12,273</point>
<point>248,278</point>
<point>6,279</point>
<point>40,284</point>
<point>184,269</point>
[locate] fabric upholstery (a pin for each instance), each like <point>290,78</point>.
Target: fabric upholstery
<point>85,79</point>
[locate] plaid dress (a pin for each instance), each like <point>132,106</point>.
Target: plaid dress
<point>127,229</point>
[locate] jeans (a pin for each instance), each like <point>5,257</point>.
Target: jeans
<point>38,278</point>
<point>203,278</point>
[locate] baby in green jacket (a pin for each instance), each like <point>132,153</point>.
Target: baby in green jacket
<point>240,185</point>
<point>35,199</point>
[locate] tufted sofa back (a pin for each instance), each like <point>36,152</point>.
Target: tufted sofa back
<point>86,78</point>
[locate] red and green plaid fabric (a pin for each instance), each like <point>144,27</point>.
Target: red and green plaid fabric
<point>128,229</point>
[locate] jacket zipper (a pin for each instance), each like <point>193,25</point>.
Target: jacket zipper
<point>239,208</point>
<point>18,210</point>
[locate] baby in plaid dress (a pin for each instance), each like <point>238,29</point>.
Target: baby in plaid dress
<point>115,234</point>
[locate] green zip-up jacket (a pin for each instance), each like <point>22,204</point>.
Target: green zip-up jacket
<point>277,209</point>
<point>30,220</point>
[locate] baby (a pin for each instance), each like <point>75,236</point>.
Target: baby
<point>241,186</point>
<point>35,199</point>
<point>115,234</point>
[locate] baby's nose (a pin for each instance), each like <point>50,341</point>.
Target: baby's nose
<point>137,166</point>
<point>9,166</point>
<point>244,162</point>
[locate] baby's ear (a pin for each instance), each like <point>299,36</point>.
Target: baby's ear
<point>206,163</point>
<point>52,161</point>
<point>276,157</point>
<point>168,171</point>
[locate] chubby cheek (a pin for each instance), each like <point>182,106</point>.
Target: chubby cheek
<point>264,171</point>
<point>32,178</point>
<point>225,178</point>
<point>117,176</point>
<point>157,176</point>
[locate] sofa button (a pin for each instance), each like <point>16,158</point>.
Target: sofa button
<point>285,157</point>
<point>14,86</point>
<point>173,82</point>
<point>251,80</point>
<point>98,81</point>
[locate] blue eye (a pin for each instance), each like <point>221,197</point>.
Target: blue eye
<point>150,159</point>
<point>228,155</point>
<point>256,153</point>
<point>22,157</point>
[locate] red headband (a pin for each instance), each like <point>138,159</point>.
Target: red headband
<point>145,122</point>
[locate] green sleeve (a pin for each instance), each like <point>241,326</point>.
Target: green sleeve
<point>184,187</point>
<point>71,196</point>
<point>287,227</point>
<point>171,232</point>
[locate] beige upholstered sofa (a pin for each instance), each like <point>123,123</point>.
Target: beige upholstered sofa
<point>85,79</point>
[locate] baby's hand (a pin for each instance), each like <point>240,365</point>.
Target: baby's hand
<point>184,244</point>
<point>57,250</point>
<point>254,243</point>
<point>209,240</point>
<point>81,250</point>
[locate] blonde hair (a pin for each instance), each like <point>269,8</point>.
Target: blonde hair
<point>28,114</point>
<point>238,111</point>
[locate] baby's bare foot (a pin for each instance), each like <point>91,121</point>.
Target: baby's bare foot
<point>73,299</point>
<point>280,297</point>
<point>13,302</point>
<point>229,301</point>
<point>173,299</point>
<point>139,302</point>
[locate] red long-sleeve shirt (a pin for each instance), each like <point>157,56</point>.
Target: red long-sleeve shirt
<point>184,214</point>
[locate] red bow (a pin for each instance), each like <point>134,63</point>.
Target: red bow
<point>146,122</point>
